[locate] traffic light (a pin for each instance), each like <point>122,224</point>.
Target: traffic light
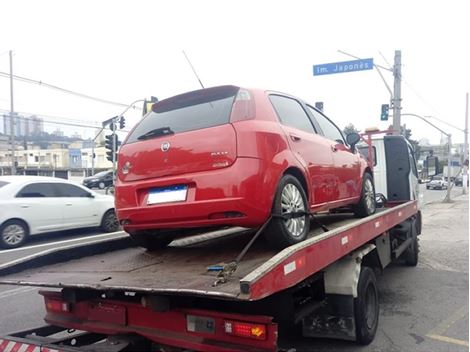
<point>112,126</point>
<point>122,122</point>
<point>384,114</point>
<point>111,143</point>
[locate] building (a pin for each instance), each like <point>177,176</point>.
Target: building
<point>23,126</point>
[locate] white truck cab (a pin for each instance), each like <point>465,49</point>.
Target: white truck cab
<point>394,165</point>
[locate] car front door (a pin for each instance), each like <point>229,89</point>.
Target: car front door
<point>79,209</point>
<point>347,179</point>
<point>39,205</point>
<point>310,149</point>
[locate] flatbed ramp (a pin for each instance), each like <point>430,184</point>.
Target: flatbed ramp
<point>182,268</point>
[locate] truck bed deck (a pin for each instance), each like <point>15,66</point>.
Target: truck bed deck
<point>182,267</point>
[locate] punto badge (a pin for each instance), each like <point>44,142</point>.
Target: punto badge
<point>165,146</point>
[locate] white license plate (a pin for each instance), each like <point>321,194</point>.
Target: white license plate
<point>167,194</point>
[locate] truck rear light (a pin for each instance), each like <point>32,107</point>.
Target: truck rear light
<point>55,305</point>
<point>244,107</point>
<point>242,329</point>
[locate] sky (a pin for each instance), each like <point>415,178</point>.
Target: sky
<point>123,51</point>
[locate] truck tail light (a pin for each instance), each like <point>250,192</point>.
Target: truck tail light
<point>244,107</point>
<point>242,329</point>
<point>55,305</point>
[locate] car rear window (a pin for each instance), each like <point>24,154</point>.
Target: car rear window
<point>187,112</point>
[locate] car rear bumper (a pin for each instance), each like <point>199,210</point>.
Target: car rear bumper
<point>239,195</point>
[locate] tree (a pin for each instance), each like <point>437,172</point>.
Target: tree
<point>350,129</point>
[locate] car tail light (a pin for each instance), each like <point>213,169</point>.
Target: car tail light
<point>55,305</point>
<point>244,107</point>
<point>242,329</point>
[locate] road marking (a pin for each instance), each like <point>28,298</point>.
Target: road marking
<point>449,340</point>
<point>438,331</point>
<point>60,242</point>
<point>16,291</point>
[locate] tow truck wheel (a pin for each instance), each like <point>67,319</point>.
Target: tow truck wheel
<point>412,253</point>
<point>151,240</point>
<point>366,205</point>
<point>366,307</point>
<point>290,198</point>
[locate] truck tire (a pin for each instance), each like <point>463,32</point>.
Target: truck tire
<point>290,197</point>
<point>411,254</point>
<point>366,307</point>
<point>366,205</point>
<point>151,240</point>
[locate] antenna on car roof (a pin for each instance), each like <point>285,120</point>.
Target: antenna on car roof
<point>190,64</point>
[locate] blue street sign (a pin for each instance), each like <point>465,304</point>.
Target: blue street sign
<point>344,66</point>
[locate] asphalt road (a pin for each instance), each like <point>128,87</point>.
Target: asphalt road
<point>422,309</point>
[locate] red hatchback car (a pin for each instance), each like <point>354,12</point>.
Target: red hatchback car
<point>230,156</point>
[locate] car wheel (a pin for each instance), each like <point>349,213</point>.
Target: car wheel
<point>151,240</point>
<point>109,222</point>
<point>13,233</point>
<point>366,307</point>
<point>101,185</point>
<point>366,205</point>
<point>290,197</point>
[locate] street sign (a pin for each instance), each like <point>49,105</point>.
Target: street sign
<point>344,66</point>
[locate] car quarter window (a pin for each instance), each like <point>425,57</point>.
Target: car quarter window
<point>328,128</point>
<point>37,190</point>
<point>291,113</point>
<point>66,190</point>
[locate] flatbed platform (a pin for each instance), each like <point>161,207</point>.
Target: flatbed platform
<point>182,268</point>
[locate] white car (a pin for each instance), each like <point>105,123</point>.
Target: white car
<point>437,182</point>
<point>31,205</point>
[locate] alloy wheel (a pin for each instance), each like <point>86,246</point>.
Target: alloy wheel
<point>291,202</point>
<point>13,234</point>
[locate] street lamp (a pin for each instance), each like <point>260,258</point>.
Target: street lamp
<point>449,152</point>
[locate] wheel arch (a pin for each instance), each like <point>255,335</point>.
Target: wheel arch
<point>299,175</point>
<point>28,228</point>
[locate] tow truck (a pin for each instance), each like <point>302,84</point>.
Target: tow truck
<point>227,290</point>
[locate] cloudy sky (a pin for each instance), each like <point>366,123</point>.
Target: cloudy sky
<point>127,50</point>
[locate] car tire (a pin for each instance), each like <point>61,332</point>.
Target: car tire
<point>109,222</point>
<point>366,307</point>
<point>151,240</point>
<point>366,205</point>
<point>13,234</point>
<point>101,185</point>
<point>290,197</point>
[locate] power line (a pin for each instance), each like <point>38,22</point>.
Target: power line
<point>63,90</point>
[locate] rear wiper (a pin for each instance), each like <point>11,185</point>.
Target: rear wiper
<point>162,131</point>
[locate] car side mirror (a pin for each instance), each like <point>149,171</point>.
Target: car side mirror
<point>353,139</point>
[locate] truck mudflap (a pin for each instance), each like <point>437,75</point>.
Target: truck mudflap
<point>194,329</point>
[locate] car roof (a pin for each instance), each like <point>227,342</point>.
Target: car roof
<point>28,178</point>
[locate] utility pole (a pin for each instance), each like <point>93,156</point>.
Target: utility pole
<point>449,167</point>
<point>396,101</point>
<point>465,150</point>
<point>12,116</point>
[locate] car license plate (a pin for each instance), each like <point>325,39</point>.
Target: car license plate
<point>167,194</point>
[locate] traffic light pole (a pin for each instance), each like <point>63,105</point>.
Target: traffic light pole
<point>397,93</point>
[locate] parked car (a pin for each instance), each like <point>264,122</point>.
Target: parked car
<point>30,205</point>
<point>437,182</point>
<point>459,181</point>
<point>100,180</point>
<point>229,156</point>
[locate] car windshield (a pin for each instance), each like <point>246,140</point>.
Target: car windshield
<point>187,112</point>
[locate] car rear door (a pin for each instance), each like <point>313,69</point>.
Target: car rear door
<point>347,179</point>
<point>79,209</point>
<point>310,149</point>
<point>39,205</point>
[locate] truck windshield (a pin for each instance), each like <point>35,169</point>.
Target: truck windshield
<point>186,112</point>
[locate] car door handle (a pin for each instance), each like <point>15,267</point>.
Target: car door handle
<point>334,149</point>
<point>295,138</point>
<point>24,206</point>
<point>68,204</point>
